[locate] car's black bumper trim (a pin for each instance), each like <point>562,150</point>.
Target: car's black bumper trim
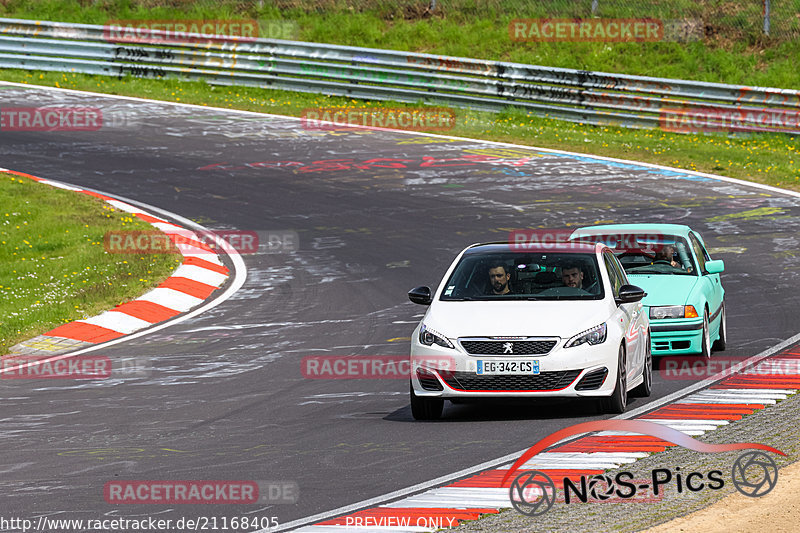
<point>675,327</point>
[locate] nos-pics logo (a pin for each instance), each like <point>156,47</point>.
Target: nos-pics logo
<point>533,492</point>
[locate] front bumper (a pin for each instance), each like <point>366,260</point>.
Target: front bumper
<point>676,336</point>
<point>581,371</point>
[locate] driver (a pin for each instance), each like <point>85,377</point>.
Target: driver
<point>572,275</point>
<point>499,278</point>
<point>667,254</point>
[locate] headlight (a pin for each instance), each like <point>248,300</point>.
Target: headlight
<point>595,335</point>
<point>673,311</point>
<point>428,337</point>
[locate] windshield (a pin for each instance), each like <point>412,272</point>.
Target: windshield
<point>530,276</point>
<point>649,254</point>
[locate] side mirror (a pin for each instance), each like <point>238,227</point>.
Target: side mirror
<point>629,294</point>
<point>420,295</point>
<point>715,267</point>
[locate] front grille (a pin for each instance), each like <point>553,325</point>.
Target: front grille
<point>428,381</point>
<point>593,380</point>
<point>491,347</point>
<point>469,381</point>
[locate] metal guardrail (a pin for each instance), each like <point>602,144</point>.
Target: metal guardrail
<point>375,74</point>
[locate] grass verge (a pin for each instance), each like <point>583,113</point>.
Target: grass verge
<point>53,265</point>
<point>771,159</point>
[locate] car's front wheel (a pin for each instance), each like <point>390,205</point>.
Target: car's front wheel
<point>706,342</point>
<point>425,408</point>
<point>722,341</point>
<point>646,386</point>
<point>616,403</point>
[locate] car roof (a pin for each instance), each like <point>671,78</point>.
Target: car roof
<point>554,247</point>
<point>667,229</point>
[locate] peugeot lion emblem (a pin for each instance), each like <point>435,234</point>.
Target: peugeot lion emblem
<point>508,347</point>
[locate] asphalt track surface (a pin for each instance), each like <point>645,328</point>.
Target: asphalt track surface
<point>226,399</point>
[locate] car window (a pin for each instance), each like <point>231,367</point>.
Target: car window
<point>531,276</point>
<point>613,274</point>
<point>647,253</point>
<point>699,252</point>
<point>620,270</point>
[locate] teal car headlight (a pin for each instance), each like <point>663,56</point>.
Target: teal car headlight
<point>595,335</point>
<point>672,311</point>
<point>429,337</point>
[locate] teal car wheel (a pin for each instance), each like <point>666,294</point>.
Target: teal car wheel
<point>722,341</point>
<point>706,347</point>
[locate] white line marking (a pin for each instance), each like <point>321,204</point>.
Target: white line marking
<point>592,455</point>
<point>61,185</point>
<point>116,321</point>
<point>782,393</point>
<point>168,228</point>
<point>176,300</point>
<point>727,400</point>
<point>125,207</point>
<point>203,275</point>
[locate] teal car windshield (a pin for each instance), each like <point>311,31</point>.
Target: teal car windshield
<point>650,254</point>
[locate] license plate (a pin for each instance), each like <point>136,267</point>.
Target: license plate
<point>507,367</point>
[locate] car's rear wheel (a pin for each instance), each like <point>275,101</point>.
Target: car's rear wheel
<point>646,386</point>
<point>426,408</point>
<point>616,403</point>
<point>706,343</point>
<point>722,341</point>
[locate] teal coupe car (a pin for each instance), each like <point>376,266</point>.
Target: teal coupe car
<point>685,298</point>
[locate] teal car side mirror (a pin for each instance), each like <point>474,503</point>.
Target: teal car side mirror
<point>715,267</point>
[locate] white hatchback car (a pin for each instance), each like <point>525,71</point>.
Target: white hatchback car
<point>530,321</point>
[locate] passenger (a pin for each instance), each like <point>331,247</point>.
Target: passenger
<point>572,275</point>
